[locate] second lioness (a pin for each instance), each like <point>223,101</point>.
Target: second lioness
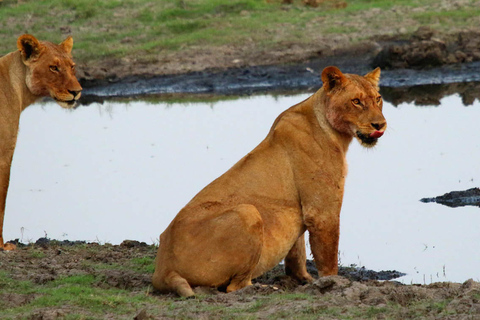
<point>253,216</point>
<point>37,69</point>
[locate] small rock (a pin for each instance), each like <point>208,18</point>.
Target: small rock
<point>423,33</point>
<point>133,244</point>
<point>206,291</point>
<point>325,284</point>
<point>142,315</point>
<point>354,292</point>
<point>65,30</point>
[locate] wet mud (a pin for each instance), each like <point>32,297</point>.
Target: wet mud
<point>397,86</point>
<point>454,199</point>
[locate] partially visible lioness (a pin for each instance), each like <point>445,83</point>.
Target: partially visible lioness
<point>253,216</point>
<point>36,69</point>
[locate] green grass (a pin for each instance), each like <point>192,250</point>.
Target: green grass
<point>75,292</point>
<point>144,264</point>
<point>37,254</point>
<point>146,29</point>
<point>459,17</point>
<point>9,285</point>
<point>358,5</point>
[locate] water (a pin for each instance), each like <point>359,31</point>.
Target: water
<point>122,171</point>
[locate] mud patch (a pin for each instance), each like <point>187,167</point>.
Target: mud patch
<point>11,300</point>
<point>122,279</point>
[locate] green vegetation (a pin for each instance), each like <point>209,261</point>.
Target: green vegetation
<point>144,264</point>
<point>460,16</point>
<point>146,29</point>
<point>75,292</point>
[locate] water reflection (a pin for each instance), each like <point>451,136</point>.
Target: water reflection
<point>122,171</point>
<point>431,95</point>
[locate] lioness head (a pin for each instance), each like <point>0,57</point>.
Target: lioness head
<point>50,69</point>
<point>353,104</point>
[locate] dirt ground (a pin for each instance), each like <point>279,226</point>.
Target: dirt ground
<point>354,295</point>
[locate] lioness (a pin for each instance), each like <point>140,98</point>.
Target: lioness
<point>253,216</point>
<point>36,69</point>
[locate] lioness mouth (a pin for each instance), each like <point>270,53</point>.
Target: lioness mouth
<point>366,139</point>
<point>69,103</point>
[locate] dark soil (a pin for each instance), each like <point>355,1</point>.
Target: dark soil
<point>424,59</point>
<point>354,289</point>
<point>425,48</point>
<point>470,197</point>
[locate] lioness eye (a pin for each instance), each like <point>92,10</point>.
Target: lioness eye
<point>356,101</point>
<point>54,68</point>
<point>379,98</point>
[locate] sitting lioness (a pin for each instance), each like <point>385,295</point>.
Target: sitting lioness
<point>254,216</point>
<point>36,69</point>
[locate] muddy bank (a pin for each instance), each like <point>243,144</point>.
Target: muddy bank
<point>275,275</point>
<point>426,86</point>
<point>424,59</point>
<point>427,48</point>
<point>454,199</point>
<point>126,267</point>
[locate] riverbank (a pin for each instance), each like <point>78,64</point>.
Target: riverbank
<point>78,280</point>
<point>441,64</point>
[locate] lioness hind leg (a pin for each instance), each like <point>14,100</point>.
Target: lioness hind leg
<point>218,251</point>
<point>9,247</point>
<point>248,241</point>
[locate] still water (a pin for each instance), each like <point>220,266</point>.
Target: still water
<point>123,170</point>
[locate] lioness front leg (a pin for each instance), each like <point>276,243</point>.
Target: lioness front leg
<point>296,261</point>
<point>4,181</point>
<point>324,230</point>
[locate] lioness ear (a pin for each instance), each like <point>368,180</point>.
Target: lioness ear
<point>29,47</point>
<point>332,77</point>
<point>67,45</point>
<point>373,77</point>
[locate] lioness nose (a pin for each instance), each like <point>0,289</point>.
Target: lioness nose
<point>74,93</point>
<point>378,125</point>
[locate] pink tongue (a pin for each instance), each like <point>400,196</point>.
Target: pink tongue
<point>376,134</point>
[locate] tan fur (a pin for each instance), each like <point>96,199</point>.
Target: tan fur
<point>36,69</point>
<point>253,216</point>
